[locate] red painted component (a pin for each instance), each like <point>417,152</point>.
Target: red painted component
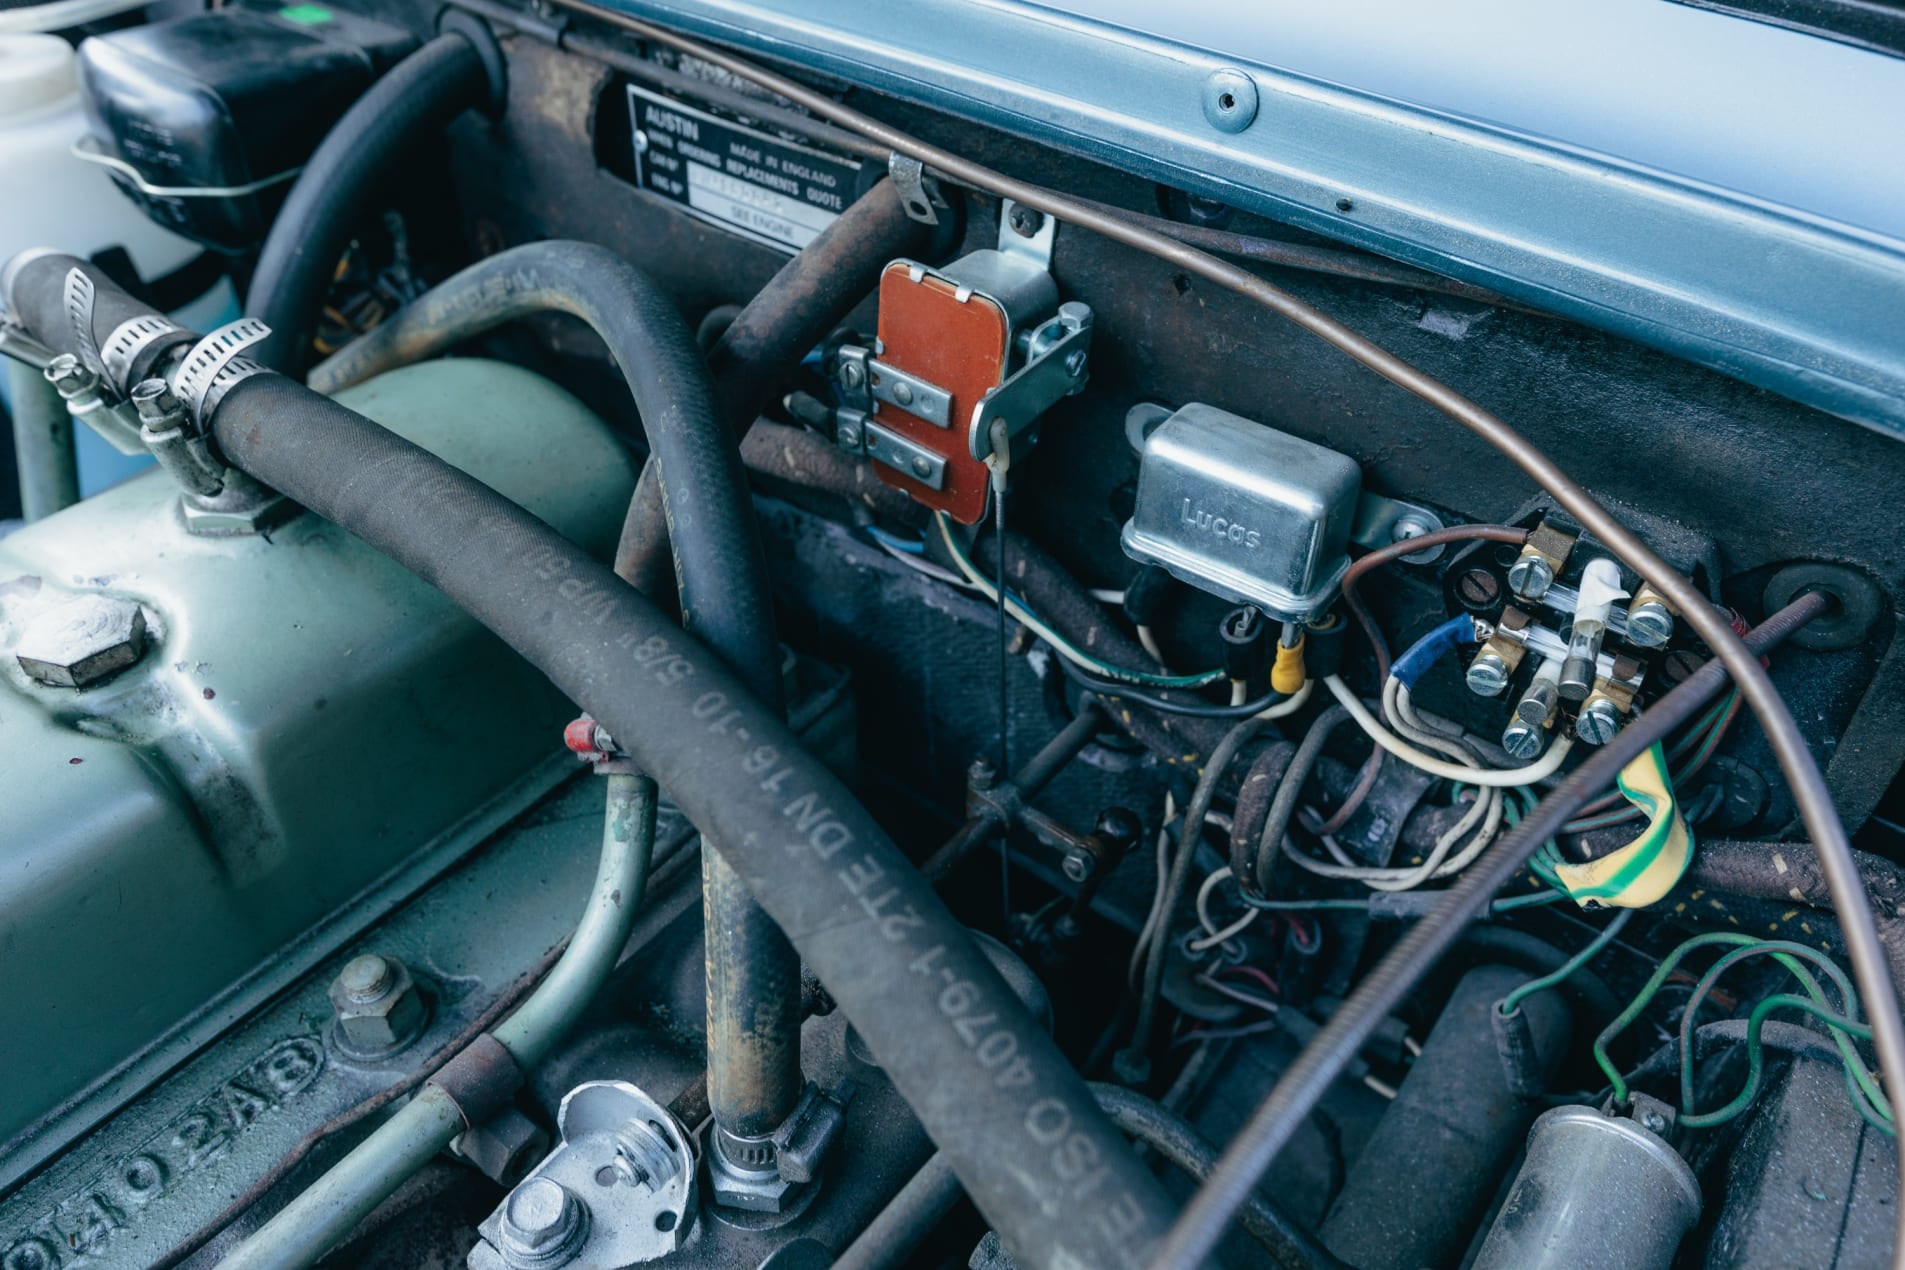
<point>579,736</point>
<point>962,345</point>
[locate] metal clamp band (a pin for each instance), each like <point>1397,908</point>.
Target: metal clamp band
<point>213,366</point>
<point>909,178</point>
<point>128,341</point>
<point>78,299</point>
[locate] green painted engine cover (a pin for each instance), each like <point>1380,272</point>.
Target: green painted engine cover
<point>309,725</point>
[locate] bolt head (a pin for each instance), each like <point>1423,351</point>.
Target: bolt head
<point>373,1022</point>
<point>1653,1121</point>
<point>538,1210</point>
<point>1522,740</point>
<point>82,642</point>
<point>1075,363</point>
<point>154,401</point>
<point>1487,675</point>
<point>1530,577</point>
<point>903,393</point>
<point>1598,721</point>
<point>1649,625</point>
<point>1078,864</point>
<point>1230,100</point>
<point>922,467</point>
<point>1026,221</point>
<point>851,376</point>
<point>848,435</point>
<point>68,376</point>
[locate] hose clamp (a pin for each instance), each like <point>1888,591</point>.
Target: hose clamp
<point>214,367</point>
<point>79,299</point>
<point>128,342</point>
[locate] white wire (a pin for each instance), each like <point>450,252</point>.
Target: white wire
<point>1290,704</point>
<point>1105,595</point>
<point>1148,640</point>
<point>1265,1004</point>
<point>927,568</point>
<point>1494,778</point>
<point>1213,936</point>
<point>1239,692</point>
<point>1157,895</point>
<point>63,14</point>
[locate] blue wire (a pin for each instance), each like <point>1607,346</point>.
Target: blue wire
<point>1428,650</point>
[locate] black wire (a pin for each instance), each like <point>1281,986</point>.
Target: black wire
<point>1194,709</point>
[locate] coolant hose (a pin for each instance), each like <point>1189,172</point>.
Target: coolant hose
<point>353,167</point>
<point>956,1042</point>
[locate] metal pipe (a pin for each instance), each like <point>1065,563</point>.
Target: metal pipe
<point>349,1190</point>
<point>1203,1222</point>
<point>42,443</point>
<point>1035,775</point>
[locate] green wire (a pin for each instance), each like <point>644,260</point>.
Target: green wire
<point>1618,1083</point>
<point>1788,954</point>
<point>1561,973</point>
<point>1103,669</point>
<point>1756,1063</point>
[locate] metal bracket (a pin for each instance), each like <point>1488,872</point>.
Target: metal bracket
<point>213,366</point>
<point>128,340</point>
<point>618,1190</point>
<point>918,397</point>
<point>1057,368</point>
<point>1381,521</point>
<point>883,445</point>
<point>79,299</point>
<point>909,178</point>
<point>21,347</point>
<point>1036,246</point>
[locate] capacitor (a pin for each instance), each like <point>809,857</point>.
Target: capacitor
<point>1595,1192</point>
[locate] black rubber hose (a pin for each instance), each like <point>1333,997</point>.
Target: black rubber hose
<point>354,166</point>
<point>754,1078</point>
<point>986,1082</point>
<point>811,295</point>
<point>1253,858</point>
<point>1306,1080</point>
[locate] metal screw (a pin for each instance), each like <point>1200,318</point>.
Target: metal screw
<point>365,978</point>
<point>1025,221</point>
<point>1078,864</point>
<point>851,376</point>
<point>903,393</point>
<point>1230,100</point>
<point>1530,577</point>
<point>1653,1121</point>
<point>1539,702</point>
<point>981,775</point>
<point>1522,740</point>
<point>922,467</point>
<point>541,1226</point>
<point>1487,674</point>
<point>1649,624</point>
<point>641,142</point>
<point>1075,363</point>
<point>1598,722</point>
<point>1407,526</point>
<point>156,404</point>
<point>69,377</point>
<point>1478,589</point>
<point>847,435</point>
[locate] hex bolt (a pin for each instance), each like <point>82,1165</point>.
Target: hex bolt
<point>1530,576</point>
<point>1523,740</point>
<point>1487,674</point>
<point>377,1006</point>
<point>158,408</point>
<point>82,642</point>
<point>365,978</point>
<point>1025,221</point>
<point>903,393</point>
<point>1649,624</point>
<point>1079,864</point>
<point>1598,722</point>
<point>542,1225</point>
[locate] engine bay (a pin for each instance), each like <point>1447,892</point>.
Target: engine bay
<point>732,643</point>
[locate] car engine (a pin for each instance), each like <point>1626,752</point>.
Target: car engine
<point>782,633</point>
